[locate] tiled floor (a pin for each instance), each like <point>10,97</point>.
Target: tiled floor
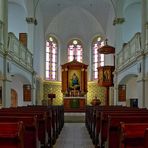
<point>74,135</point>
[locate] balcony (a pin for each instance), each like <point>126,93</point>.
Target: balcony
<point>129,53</point>
<point>19,53</point>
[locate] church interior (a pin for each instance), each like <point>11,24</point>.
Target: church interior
<point>73,73</point>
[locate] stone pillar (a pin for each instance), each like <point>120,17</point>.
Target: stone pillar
<point>4,20</point>
<point>146,92</point>
<point>144,44</point>
<point>39,91</point>
<point>6,100</point>
<point>115,87</point>
<point>144,16</point>
<point>118,24</point>
<point>33,88</point>
<point>31,37</point>
<point>146,24</point>
<point>31,20</point>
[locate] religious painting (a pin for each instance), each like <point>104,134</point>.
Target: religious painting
<point>27,92</point>
<point>74,79</point>
<point>122,92</point>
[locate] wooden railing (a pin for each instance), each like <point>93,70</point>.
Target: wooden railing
<point>19,53</point>
<point>129,51</point>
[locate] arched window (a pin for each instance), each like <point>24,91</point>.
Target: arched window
<point>75,50</point>
<point>97,59</point>
<point>51,58</point>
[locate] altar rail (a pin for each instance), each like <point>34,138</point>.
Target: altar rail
<point>130,51</point>
<point>18,52</point>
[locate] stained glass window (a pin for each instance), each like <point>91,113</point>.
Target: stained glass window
<point>97,59</point>
<point>51,58</point>
<point>75,50</point>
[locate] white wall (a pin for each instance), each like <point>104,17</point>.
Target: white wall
<point>17,84</point>
<point>71,23</point>
<point>110,31</point>
<point>132,24</point>
<point>16,19</point>
<point>131,89</point>
<point>39,45</point>
<point>20,77</point>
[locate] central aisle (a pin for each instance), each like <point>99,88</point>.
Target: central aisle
<point>74,135</point>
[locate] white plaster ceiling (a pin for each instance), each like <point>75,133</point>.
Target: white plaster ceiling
<point>99,9</point>
<point>50,9</point>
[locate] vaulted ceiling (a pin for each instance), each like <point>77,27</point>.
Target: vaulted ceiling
<point>99,9</point>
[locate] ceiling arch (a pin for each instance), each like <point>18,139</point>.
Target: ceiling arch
<point>72,21</point>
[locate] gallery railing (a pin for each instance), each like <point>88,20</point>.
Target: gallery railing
<point>19,52</point>
<point>130,51</point>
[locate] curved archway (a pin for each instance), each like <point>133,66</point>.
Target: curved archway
<point>18,82</point>
<point>130,85</point>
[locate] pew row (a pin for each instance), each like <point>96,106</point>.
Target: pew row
<point>11,135</point>
<point>132,135</point>
<point>50,121</point>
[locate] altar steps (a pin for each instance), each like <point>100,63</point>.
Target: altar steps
<point>74,117</point>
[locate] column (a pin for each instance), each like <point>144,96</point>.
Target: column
<point>146,25</point>
<point>140,88</point>
<point>30,19</point>
<point>6,100</point>
<point>31,37</point>
<point>4,19</point>
<point>144,36</point>
<point>39,90</point>
<point>115,88</point>
<point>144,16</point>
<point>33,92</point>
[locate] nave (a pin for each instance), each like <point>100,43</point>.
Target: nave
<point>74,135</point>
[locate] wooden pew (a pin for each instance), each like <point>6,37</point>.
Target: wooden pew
<point>47,125</point>
<point>52,124</point>
<point>11,135</point>
<point>146,138</point>
<point>30,129</point>
<point>102,121</point>
<point>132,135</point>
<point>55,120</point>
<point>113,129</point>
<point>41,119</point>
<point>92,119</point>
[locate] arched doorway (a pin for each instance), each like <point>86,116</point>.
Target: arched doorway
<point>127,89</point>
<point>14,98</point>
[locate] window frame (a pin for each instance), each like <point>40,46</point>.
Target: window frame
<point>75,50</point>
<point>52,52</point>
<point>97,59</point>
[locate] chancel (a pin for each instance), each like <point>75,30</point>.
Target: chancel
<point>73,73</point>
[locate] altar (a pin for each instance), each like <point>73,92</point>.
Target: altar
<point>74,86</point>
<point>74,104</point>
